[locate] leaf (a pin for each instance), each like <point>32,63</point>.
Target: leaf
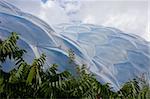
<point>31,75</point>
<point>20,70</point>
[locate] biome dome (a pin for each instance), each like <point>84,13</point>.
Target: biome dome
<point>113,56</point>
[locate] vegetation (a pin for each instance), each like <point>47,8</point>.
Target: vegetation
<point>31,81</point>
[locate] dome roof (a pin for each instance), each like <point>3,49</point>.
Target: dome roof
<point>113,56</point>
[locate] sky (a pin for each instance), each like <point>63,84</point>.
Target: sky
<point>130,16</point>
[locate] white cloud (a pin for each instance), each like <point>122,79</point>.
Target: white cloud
<point>130,16</point>
<point>70,7</point>
<point>148,22</point>
<point>48,4</point>
<point>89,19</point>
<point>49,12</point>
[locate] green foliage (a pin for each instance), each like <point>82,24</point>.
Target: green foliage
<point>71,56</point>
<point>31,81</point>
<point>9,49</point>
<point>135,89</point>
